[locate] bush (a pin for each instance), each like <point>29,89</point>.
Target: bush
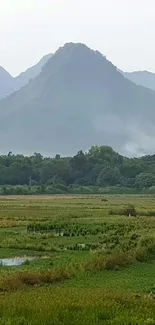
<point>27,278</point>
<point>117,260</point>
<point>104,200</point>
<point>112,261</point>
<point>141,254</point>
<point>145,249</point>
<point>130,210</point>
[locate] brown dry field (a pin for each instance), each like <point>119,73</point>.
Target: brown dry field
<point>44,197</point>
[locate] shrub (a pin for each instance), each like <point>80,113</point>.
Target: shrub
<point>146,249</point>
<point>141,254</point>
<point>130,210</point>
<point>117,260</point>
<point>112,261</point>
<point>27,262</point>
<point>27,278</point>
<point>104,200</point>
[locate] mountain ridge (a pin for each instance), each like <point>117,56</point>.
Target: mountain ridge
<point>144,78</point>
<point>24,77</point>
<point>9,84</point>
<point>6,83</point>
<point>77,100</point>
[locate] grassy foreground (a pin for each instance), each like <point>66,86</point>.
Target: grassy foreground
<point>91,264</point>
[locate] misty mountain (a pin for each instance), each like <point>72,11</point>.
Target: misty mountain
<point>143,78</point>
<point>79,99</point>
<point>24,77</point>
<point>8,84</point>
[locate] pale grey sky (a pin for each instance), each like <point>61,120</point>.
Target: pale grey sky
<point>123,30</point>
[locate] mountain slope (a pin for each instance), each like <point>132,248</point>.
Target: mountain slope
<point>79,99</point>
<point>24,78</point>
<point>6,83</point>
<point>143,78</point>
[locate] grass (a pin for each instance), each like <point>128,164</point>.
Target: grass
<point>76,306</point>
<point>23,279</point>
<point>91,266</point>
<point>139,278</point>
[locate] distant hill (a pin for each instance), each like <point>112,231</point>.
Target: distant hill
<point>8,84</point>
<point>24,77</point>
<point>79,99</point>
<point>143,78</point>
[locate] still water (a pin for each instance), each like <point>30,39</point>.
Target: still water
<point>16,261</point>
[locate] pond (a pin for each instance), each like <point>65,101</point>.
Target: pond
<point>15,261</point>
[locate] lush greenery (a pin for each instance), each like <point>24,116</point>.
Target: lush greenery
<point>89,260</point>
<point>100,170</point>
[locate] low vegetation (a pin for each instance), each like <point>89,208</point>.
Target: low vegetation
<point>20,280</point>
<point>93,260</point>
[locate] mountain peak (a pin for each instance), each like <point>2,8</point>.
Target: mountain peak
<point>77,57</point>
<point>78,99</point>
<point>76,48</point>
<point>4,73</point>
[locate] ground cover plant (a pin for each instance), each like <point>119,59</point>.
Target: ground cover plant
<point>87,260</point>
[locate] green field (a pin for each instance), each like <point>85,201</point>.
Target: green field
<point>86,262</point>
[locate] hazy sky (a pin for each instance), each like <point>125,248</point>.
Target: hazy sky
<point>123,30</point>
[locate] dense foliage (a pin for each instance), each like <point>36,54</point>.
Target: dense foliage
<point>100,167</point>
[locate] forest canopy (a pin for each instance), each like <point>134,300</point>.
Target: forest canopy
<point>100,167</point>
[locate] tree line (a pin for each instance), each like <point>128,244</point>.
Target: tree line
<point>100,167</point>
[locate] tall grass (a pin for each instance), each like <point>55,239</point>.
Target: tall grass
<point>75,306</point>
<point>20,280</point>
<point>112,261</point>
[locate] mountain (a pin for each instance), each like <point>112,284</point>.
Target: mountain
<point>8,84</point>
<point>143,78</point>
<point>24,77</point>
<point>79,99</point>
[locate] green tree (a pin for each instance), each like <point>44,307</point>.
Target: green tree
<point>78,161</point>
<point>109,176</point>
<point>144,180</point>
